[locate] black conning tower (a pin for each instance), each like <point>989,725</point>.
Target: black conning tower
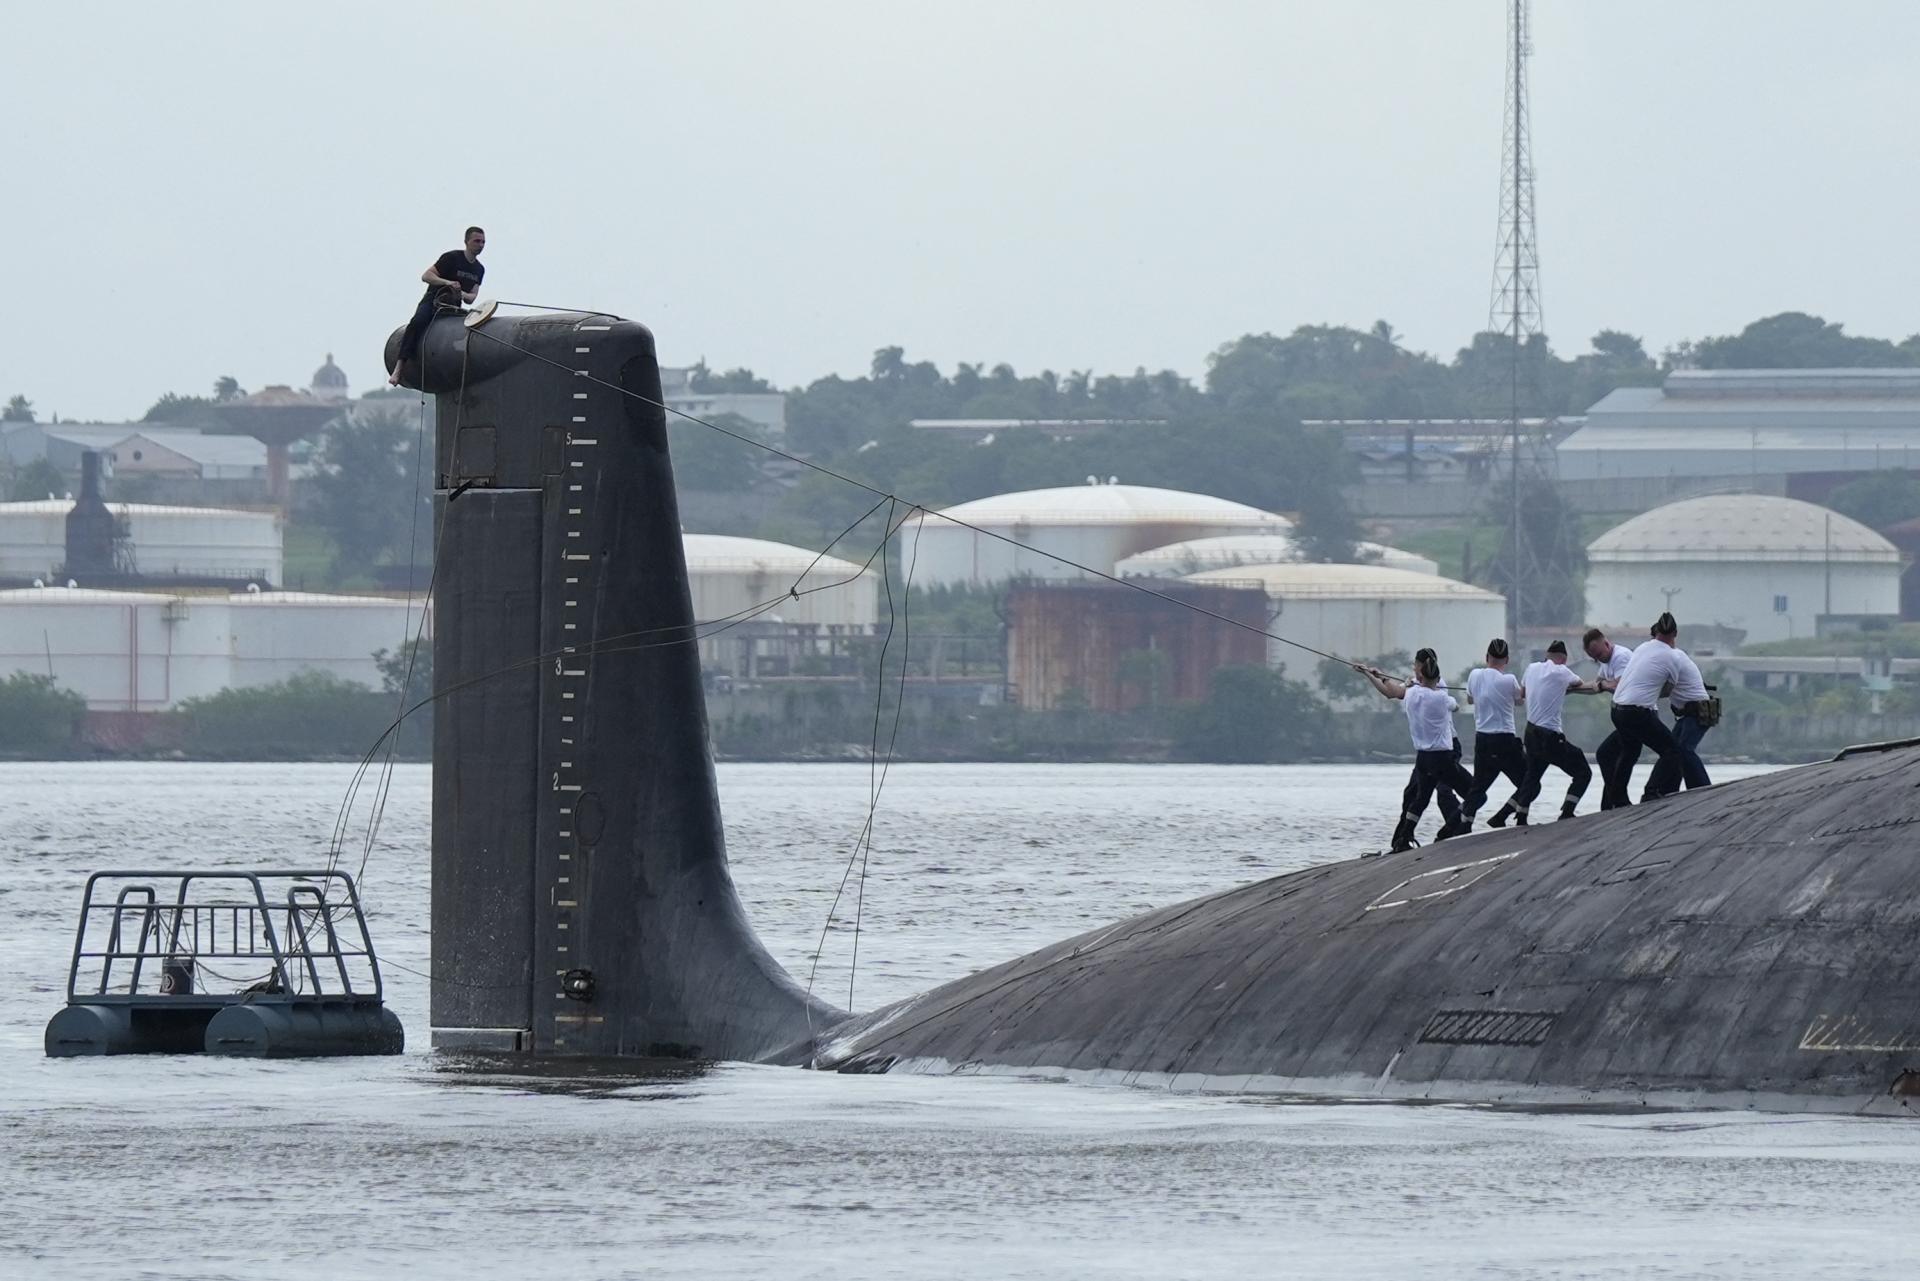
<point>581,899</point>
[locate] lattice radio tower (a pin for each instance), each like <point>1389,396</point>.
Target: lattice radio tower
<point>1515,310</point>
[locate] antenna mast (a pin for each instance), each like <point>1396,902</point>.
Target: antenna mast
<point>1515,310</point>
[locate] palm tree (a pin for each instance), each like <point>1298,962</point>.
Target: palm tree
<point>18,410</point>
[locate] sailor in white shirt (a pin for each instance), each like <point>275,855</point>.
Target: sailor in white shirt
<point>1612,660</point>
<point>1494,691</point>
<point>1654,668</point>
<point>1547,686</point>
<point>1430,712</point>
<point>1688,699</point>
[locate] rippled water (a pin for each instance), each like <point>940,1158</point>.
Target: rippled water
<point>198,1168</point>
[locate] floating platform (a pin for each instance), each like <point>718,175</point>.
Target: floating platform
<point>260,964</point>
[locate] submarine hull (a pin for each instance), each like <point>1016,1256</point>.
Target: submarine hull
<point>1756,944</point>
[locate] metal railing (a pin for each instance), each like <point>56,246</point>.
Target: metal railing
<point>160,935</point>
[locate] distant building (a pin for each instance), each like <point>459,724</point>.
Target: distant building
<point>329,381</point>
<point>1436,449</point>
<point>158,450</point>
<point>1803,430</point>
<point>1774,567</point>
<point>767,410</point>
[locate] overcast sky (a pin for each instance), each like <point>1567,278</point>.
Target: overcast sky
<point>195,190</point>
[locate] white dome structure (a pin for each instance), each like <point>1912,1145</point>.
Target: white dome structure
<point>731,576</point>
<point>1766,565</point>
<point>165,540</point>
<point>1096,525</point>
<point>1228,550</point>
<point>1362,612</point>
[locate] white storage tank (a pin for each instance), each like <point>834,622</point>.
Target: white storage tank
<point>121,651</point>
<point>1096,525</point>
<point>1766,565</point>
<point>731,576</point>
<point>1196,554</point>
<point>272,635</point>
<point>198,541</point>
<point>1363,612</point>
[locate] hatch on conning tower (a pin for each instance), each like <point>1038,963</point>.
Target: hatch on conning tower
<point>254,963</point>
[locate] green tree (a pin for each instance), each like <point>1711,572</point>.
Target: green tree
<point>36,480</point>
<point>367,495</point>
<point>700,378</point>
<point>309,714</point>
<point>175,408</point>
<point>36,713</point>
<point>1790,340</point>
<point>707,459</point>
<point>1879,499</point>
<point>1554,553</point>
<point>1327,529</point>
<point>19,410</point>
<point>226,387</point>
<point>1251,714</point>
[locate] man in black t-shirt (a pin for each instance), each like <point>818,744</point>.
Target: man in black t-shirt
<point>453,279</point>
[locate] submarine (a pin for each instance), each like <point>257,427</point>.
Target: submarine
<point>1750,945</point>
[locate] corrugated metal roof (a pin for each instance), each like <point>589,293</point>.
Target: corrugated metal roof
<point>1742,527</point>
<point>1110,505</point>
<point>1319,581</point>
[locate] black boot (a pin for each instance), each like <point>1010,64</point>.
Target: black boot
<point>1501,816</point>
<point>1519,818</point>
<point>1460,827</point>
<point>1566,811</point>
<point>1402,836</point>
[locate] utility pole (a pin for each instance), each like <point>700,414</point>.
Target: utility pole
<point>1515,309</point>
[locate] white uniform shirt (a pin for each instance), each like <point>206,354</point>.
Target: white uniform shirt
<point>1689,686</point>
<point>1547,685</point>
<point>1430,717</point>
<point>1648,671</point>
<point>1492,693</point>
<point>1616,665</point>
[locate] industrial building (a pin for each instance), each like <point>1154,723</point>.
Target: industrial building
<point>161,542</point>
<point>732,577</point>
<point>1364,612</point>
<point>147,651</point>
<point>1775,568</point>
<point>1108,647</point>
<point>1792,431</point>
<point>1195,554</point>
<point>1095,525</point>
<point>766,410</point>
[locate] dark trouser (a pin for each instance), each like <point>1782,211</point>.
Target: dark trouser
<point>1436,771</point>
<point>416,328</point>
<point>1687,732</point>
<point>1640,727</point>
<point>1613,779</point>
<point>1494,755</point>
<point>1549,747</point>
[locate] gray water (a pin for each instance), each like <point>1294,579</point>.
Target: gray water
<point>417,1166</point>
